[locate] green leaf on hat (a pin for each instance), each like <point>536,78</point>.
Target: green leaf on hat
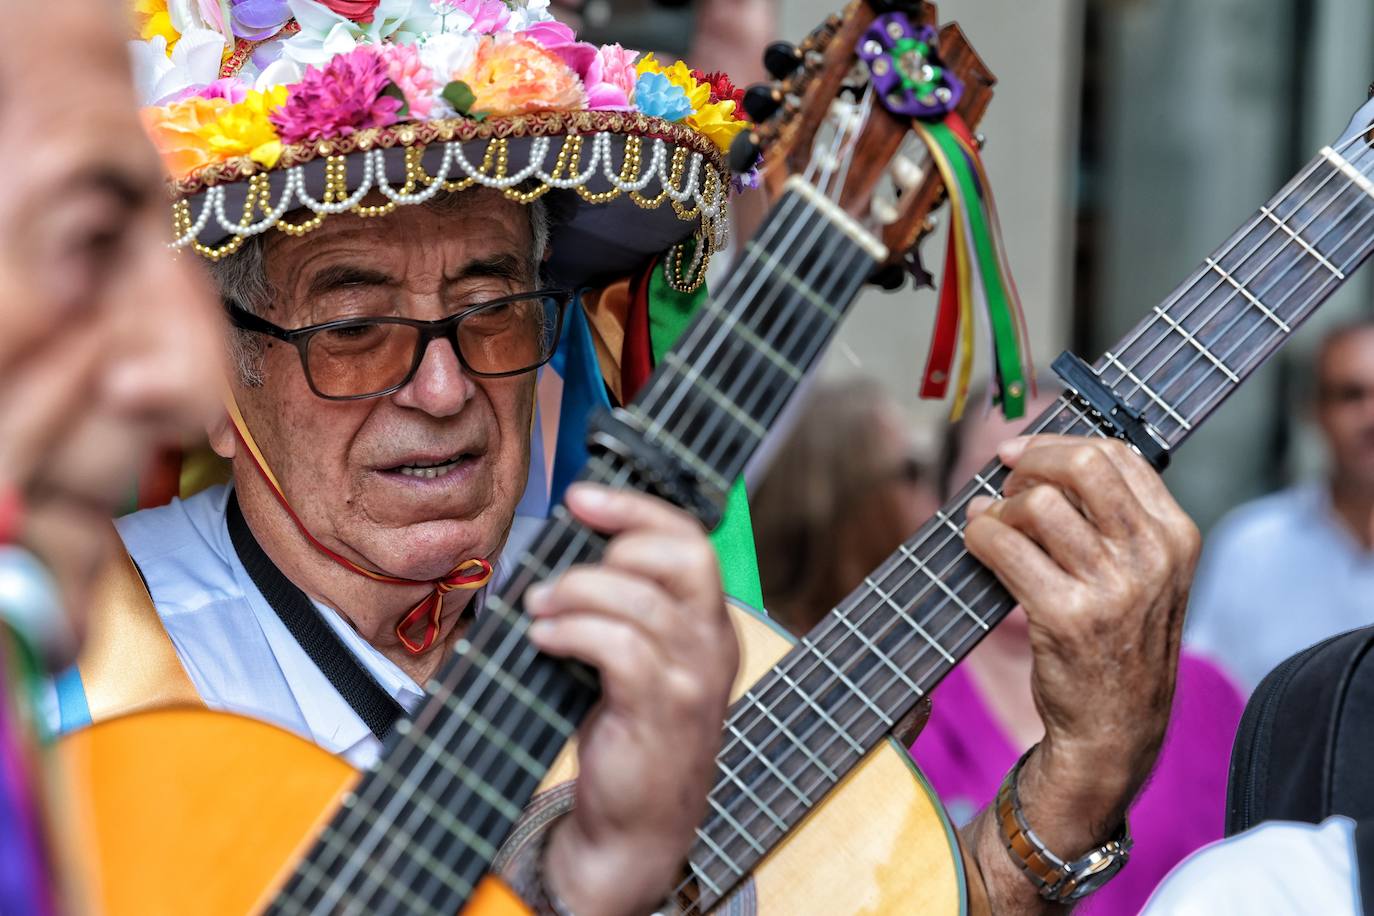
<point>394,91</point>
<point>460,96</point>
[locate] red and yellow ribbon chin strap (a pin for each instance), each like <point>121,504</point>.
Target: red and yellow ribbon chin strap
<point>976,273</point>
<point>467,576</point>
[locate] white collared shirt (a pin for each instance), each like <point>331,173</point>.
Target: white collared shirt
<point>1279,868</point>
<point>238,653</point>
<point>1278,575</point>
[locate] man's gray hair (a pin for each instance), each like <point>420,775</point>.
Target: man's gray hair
<point>242,279</point>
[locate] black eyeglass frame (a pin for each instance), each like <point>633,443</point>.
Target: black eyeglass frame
<point>430,331</point>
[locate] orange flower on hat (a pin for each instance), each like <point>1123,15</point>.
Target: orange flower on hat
<point>179,133</point>
<point>510,76</point>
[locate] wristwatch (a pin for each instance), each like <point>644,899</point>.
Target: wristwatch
<point>1057,880</point>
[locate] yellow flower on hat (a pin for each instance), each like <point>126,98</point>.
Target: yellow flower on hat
<point>154,20</point>
<point>698,93</point>
<point>244,129</point>
<point>717,121</point>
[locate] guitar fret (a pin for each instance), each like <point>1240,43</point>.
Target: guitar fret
<point>794,743</point>
<point>345,848</point>
<point>497,673</point>
<point>1149,392</point>
<point>1188,336</point>
<point>721,398</point>
<point>911,621</point>
<point>991,490</point>
<point>803,288</point>
<point>735,326</point>
<point>671,443</point>
<point>1302,242</point>
<point>854,689</point>
<point>877,653</point>
<point>488,730</point>
<point>1357,178</point>
<point>465,775</point>
<point>759,804</point>
<point>722,856</point>
<point>1249,296</point>
<point>815,707</point>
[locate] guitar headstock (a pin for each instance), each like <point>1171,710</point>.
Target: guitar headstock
<point>841,112</point>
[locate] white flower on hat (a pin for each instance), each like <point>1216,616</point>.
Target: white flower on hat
<point>325,33</point>
<point>526,14</point>
<point>194,62</point>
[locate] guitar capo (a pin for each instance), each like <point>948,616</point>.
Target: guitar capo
<point>1111,412</point>
<point>661,473</point>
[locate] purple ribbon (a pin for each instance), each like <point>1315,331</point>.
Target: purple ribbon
<point>904,66</point>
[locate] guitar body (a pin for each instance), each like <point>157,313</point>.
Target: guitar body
<point>186,810</point>
<point>879,843</point>
<point>191,811</point>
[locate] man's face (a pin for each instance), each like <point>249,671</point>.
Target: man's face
<point>84,263</point>
<point>348,467</point>
<point>1345,404</point>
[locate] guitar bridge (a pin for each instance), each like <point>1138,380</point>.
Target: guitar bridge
<point>1111,412</point>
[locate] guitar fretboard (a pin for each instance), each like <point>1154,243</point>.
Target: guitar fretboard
<point>423,826</point>
<point>801,728</point>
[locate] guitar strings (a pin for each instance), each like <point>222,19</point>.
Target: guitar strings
<point>1349,234</point>
<point>1243,263</point>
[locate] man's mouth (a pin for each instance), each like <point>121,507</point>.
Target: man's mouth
<point>433,470</point>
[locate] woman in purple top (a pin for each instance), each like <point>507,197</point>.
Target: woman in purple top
<point>984,718</point>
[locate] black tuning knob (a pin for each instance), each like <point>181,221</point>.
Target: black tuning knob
<point>762,101</point>
<point>782,59</point>
<point>744,152</point>
<point>889,278</point>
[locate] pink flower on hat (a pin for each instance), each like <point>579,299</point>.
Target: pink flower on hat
<point>560,39</point>
<point>343,97</point>
<point>416,81</point>
<point>488,16</point>
<point>611,78</point>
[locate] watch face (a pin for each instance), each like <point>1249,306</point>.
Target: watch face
<point>1099,874</point>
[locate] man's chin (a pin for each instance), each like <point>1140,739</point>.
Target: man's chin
<point>429,550</point>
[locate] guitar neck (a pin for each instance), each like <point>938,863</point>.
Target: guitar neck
<point>424,825</point>
<point>842,689</point>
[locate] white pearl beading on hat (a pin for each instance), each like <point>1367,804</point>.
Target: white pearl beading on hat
<point>294,194</point>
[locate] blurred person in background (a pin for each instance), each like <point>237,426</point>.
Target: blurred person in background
<point>107,352</point>
<point>1287,571</point>
<point>846,488</point>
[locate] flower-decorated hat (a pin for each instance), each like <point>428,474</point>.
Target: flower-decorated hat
<point>264,108</point>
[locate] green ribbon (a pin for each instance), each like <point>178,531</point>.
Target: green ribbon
<point>1010,373</point>
<point>670,312</point>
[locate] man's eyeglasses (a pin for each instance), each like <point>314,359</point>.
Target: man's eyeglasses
<point>356,358</point>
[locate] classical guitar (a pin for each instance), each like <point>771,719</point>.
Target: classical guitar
<point>208,813</point>
<point>816,809</point>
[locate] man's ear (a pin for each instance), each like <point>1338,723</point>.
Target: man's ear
<point>222,438</point>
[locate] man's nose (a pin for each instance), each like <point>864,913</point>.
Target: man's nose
<point>441,387</point>
<point>167,363</point>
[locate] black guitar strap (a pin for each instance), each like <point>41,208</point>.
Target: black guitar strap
<point>377,708</point>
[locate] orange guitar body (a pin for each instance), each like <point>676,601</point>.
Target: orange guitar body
<point>189,811</point>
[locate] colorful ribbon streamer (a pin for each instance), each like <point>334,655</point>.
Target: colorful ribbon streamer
<point>26,880</point>
<point>977,274</point>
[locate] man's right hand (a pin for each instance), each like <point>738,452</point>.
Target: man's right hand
<point>651,618</point>
<point>1090,542</point>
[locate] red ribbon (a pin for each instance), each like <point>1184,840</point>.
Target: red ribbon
<point>467,576</point>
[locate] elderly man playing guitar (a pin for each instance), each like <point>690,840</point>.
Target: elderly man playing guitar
<point>379,426</point>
